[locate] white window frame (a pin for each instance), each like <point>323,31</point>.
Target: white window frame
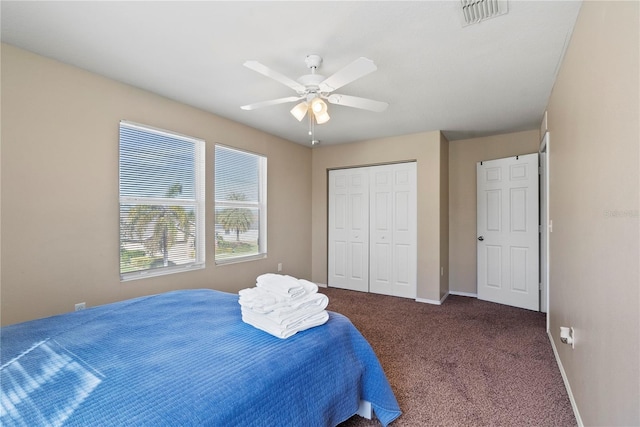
<point>197,203</point>
<point>260,205</point>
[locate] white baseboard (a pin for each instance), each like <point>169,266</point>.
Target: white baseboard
<point>433,301</point>
<point>576,413</point>
<point>322,285</point>
<point>463,294</point>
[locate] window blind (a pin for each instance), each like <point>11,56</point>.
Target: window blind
<point>161,177</point>
<point>240,204</point>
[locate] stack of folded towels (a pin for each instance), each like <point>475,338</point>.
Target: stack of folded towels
<point>283,305</point>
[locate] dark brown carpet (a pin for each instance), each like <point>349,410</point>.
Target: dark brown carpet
<point>464,363</point>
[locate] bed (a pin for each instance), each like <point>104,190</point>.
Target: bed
<point>185,358</point>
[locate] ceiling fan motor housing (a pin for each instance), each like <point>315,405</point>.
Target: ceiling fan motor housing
<point>313,61</point>
<point>311,82</point>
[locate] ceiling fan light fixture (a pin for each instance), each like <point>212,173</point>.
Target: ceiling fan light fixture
<point>300,110</point>
<point>322,117</point>
<point>318,106</point>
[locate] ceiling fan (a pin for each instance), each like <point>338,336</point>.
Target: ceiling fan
<point>314,88</point>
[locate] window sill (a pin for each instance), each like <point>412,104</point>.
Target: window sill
<point>237,260</point>
<point>127,277</point>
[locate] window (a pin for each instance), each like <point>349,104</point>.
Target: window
<point>161,202</point>
<point>240,205</point>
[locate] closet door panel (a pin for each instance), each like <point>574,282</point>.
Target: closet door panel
<point>405,231</point>
<point>394,228</point>
<point>381,214</point>
<point>348,244</point>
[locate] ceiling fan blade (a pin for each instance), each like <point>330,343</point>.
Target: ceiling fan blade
<point>357,102</point>
<point>271,102</point>
<point>266,71</point>
<point>358,68</point>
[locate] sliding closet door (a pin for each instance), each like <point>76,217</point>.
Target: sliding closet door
<point>348,256</point>
<point>393,229</point>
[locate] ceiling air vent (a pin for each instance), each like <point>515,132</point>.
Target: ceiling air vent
<point>474,11</point>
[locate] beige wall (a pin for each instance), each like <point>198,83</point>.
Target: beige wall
<point>463,156</point>
<point>422,147</point>
<point>60,189</point>
<point>594,147</point>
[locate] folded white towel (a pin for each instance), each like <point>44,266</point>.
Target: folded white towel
<point>261,300</point>
<point>311,304</point>
<point>309,287</point>
<point>284,285</point>
<point>291,323</point>
<point>261,322</point>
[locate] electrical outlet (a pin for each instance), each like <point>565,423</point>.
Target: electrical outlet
<point>279,267</point>
<point>81,306</point>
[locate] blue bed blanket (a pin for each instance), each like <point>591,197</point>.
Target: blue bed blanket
<point>185,358</point>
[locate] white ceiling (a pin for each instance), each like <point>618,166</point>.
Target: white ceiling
<point>436,74</point>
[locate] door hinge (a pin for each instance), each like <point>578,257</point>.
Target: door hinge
<point>539,170</point>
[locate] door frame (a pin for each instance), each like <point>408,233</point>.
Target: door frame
<point>545,225</point>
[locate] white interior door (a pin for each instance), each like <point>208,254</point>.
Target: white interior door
<point>507,225</point>
<point>349,229</point>
<point>393,226</point>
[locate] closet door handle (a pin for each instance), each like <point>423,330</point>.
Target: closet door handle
<point>481,238</point>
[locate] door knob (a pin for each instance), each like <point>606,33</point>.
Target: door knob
<point>481,238</point>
